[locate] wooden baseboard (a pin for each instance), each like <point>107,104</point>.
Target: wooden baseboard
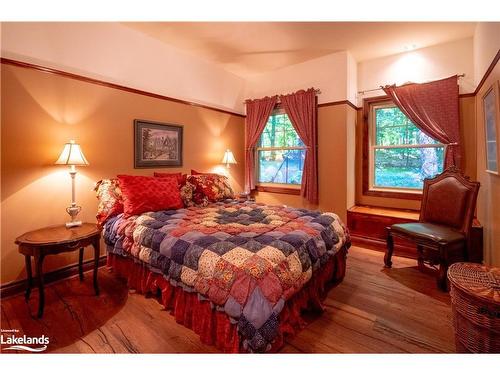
<point>278,189</point>
<point>18,286</point>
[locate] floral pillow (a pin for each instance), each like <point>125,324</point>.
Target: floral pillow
<point>110,199</point>
<point>187,191</point>
<point>209,188</point>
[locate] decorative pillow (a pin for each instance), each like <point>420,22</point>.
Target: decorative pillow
<point>110,199</point>
<point>143,194</point>
<point>181,178</point>
<point>210,188</point>
<point>187,191</point>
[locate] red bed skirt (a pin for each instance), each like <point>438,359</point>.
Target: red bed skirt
<point>214,327</point>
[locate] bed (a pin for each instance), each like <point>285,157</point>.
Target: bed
<point>237,273</point>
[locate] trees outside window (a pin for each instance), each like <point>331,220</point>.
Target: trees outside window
<point>280,152</point>
<point>401,155</point>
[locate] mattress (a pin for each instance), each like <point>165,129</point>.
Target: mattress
<point>246,258</point>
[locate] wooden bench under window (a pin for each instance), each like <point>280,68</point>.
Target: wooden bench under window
<point>367,227</point>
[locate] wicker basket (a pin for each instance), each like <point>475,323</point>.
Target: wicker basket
<point>475,300</point>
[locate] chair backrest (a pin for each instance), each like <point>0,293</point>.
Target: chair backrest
<point>449,199</point>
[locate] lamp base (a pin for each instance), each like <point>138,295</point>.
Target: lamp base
<point>72,224</point>
<point>73,211</point>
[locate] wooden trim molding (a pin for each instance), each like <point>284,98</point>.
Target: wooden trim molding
<point>347,102</point>
<point>393,194</point>
<point>367,102</point>
<point>277,189</point>
<point>18,286</point>
<point>377,99</point>
<point>467,95</point>
<point>115,86</point>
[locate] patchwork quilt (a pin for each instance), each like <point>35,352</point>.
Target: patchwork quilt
<point>246,258</point>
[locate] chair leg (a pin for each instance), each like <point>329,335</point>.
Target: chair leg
<point>389,250</point>
<point>420,258</point>
<point>442,279</point>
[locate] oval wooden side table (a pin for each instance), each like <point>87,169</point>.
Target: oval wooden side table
<point>54,240</point>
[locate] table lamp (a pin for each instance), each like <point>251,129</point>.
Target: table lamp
<point>72,155</point>
<point>228,158</point>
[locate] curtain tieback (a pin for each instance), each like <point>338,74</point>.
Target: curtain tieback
<point>452,144</point>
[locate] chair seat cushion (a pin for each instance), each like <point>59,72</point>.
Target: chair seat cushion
<point>432,232</point>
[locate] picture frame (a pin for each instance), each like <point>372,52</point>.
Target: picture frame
<point>157,144</point>
<point>491,112</point>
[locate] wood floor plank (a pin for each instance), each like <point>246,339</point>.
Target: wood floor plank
<point>374,310</point>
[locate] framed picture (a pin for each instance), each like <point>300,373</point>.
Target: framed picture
<point>491,111</point>
<point>157,144</point>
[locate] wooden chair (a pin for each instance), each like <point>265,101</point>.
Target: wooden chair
<point>443,231</point>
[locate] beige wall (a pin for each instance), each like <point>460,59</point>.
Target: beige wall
<point>489,194</point>
<point>333,74</point>
<point>336,130</point>
<point>113,52</point>
<point>424,64</point>
<point>486,44</point>
<point>468,133</point>
<point>40,112</point>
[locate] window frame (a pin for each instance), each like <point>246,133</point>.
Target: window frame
<point>369,146</point>
<point>275,187</point>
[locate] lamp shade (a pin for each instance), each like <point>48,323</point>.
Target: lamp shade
<point>228,158</point>
<point>72,155</point>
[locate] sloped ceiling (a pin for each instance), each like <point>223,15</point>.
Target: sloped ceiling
<point>250,48</point>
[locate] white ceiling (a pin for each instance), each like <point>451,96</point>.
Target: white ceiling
<point>249,48</point>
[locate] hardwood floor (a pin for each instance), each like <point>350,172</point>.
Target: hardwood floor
<point>374,310</point>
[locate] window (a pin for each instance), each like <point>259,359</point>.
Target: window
<point>280,152</point>
<point>401,156</point>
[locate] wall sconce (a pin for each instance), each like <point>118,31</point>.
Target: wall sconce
<point>72,155</point>
<point>228,159</point>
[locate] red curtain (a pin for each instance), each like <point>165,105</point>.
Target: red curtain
<point>258,112</point>
<point>433,108</point>
<point>301,109</point>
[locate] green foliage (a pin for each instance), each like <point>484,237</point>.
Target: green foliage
<point>280,166</point>
<point>279,132</point>
<point>394,128</point>
<point>403,167</point>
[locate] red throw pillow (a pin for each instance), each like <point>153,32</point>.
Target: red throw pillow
<point>181,178</point>
<point>143,194</point>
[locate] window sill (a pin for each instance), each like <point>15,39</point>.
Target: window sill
<point>278,189</point>
<point>394,194</point>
